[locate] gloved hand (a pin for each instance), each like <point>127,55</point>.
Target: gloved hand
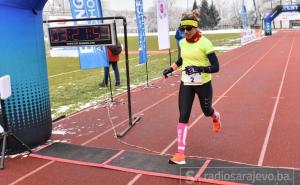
<point>193,69</point>
<point>167,71</point>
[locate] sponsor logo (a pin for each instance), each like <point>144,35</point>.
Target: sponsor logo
<point>289,7</point>
<point>162,9</point>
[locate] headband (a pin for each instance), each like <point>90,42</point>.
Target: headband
<point>189,23</point>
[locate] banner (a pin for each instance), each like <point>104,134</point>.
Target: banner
<point>163,24</point>
<point>247,35</point>
<point>90,56</point>
<point>141,31</point>
<point>244,16</point>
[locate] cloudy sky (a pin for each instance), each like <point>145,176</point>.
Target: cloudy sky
<point>129,4</point>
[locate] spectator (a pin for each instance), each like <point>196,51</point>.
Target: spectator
<point>178,36</point>
<point>113,53</point>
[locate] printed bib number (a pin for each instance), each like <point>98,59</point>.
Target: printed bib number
<point>193,79</point>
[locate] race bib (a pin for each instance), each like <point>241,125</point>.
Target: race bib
<point>193,79</point>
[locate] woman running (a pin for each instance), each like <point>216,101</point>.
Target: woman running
<point>198,60</point>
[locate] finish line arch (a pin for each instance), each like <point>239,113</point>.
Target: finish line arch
<point>275,12</point>
<point>23,57</point>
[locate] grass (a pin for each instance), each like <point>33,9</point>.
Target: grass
<point>72,89</point>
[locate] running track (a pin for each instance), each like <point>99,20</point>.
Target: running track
<point>256,91</point>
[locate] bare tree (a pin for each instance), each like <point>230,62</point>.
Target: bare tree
<point>236,12</point>
<point>174,13</point>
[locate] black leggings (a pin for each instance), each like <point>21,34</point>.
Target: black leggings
<point>186,98</point>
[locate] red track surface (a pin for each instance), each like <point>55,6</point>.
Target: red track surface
<point>257,93</point>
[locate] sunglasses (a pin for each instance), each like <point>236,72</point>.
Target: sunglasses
<point>187,28</point>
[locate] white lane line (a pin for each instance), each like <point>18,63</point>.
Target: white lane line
<point>94,138</point>
<point>60,74</point>
<point>266,141</point>
<point>31,173</point>
<point>140,112</point>
<point>150,56</point>
<point>220,97</point>
<point>45,165</point>
<point>135,178</point>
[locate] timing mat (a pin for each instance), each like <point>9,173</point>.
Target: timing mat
<point>197,170</point>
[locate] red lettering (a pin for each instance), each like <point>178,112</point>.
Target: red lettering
<point>89,33</point>
<point>75,34</point>
<point>54,35</point>
<point>62,35</point>
<point>96,33</point>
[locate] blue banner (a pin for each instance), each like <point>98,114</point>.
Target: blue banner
<point>244,15</point>
<point>141,30</point>
<point>90,56</point>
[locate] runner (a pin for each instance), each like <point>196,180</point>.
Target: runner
<point>198,60</point>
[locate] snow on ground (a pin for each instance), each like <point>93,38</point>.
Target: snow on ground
<point>203,31</point>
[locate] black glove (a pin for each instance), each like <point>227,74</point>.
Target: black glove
<point>167,71</point>
<point>193,69</point>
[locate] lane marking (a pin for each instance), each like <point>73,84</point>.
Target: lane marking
<point>223,95</point>
<point>113,157</point>
<point>31,173</point>
<point>220,97</point>
<point>202,169</point>
<point>134,179</point>
<point>266,141</point>
<point>139,175</point>
<point>222,65</point>
<point>60,74</point>
<point>92,139</point>
<point>145,109</point>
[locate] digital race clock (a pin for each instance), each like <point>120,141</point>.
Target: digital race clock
<point>100,34</point>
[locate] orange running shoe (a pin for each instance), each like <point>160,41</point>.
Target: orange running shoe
<point>178,158</point>
<point>217,123</point>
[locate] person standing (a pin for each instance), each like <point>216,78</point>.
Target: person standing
<point>198,61</point>
<point>113,53</point>
<point>178,36</point>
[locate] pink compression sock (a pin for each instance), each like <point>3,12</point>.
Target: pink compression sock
<point>182,129</point>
